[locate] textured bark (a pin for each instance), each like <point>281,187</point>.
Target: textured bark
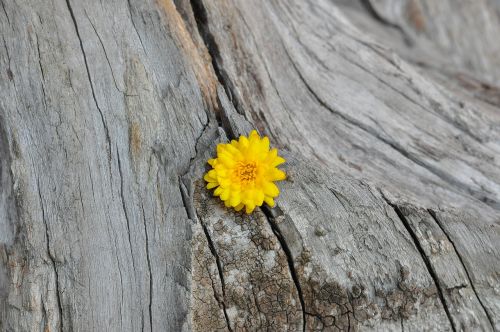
<point>388,113</point>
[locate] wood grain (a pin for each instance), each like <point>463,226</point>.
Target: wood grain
<point>386,111</point>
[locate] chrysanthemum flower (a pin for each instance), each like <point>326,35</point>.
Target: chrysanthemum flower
<point>244,172</point>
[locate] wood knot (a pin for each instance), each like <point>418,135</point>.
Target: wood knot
<point>135,138</point>
<point>415,15</point>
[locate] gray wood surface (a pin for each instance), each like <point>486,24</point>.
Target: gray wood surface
<point>388,113</point>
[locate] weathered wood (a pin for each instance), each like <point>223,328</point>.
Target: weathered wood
<point>447,32</point>
<point>388,115</point>
<point>101,109</point>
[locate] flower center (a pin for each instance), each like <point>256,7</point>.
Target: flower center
<point>247,171</point>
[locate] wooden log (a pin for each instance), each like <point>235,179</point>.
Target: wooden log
<point>386,111</point>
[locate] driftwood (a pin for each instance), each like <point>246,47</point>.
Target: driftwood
<point>388,113</point>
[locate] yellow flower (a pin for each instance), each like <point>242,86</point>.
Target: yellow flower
<point>244,172</point>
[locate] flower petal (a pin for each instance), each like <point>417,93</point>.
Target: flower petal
<point>249,208</point>
<point>277,175</point>
<point>253,135</point>
<point>259,197</point>
<point>218,191</point>
<point>208,178</point>
<point>269,201</point>
<point>244,172</point>
<point>270,189</point>
<point>264,144</point>
<point>244,143</point>
<point>225,194</point>
<point>227,160</point>
<point>278,161</point>
<point>211,185</point>
<point>235,199</point>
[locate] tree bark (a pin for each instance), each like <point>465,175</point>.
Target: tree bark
<point>386,111</point>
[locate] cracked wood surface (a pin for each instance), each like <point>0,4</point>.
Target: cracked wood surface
<point>386,111</point>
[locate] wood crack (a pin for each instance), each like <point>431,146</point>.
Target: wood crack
<point>200,15</point>
<point>196,141</point>
<point>123,205</point>
<point>105,53</point>
<point>5,12</point>
<point>190,211</point>
<point>51,257</point>
<point>274,227</point>
<point>438,222</point>
<point>221,274</point>
<point>373,12</point>
<point>449,120</point>
<point>212,68</point>
<point>148,259</point>
<point>8,224</point>
<point>426,260</point>
<point>42,72</point>
<point>337,196</point>
<point>106,130</point>
<point>119,271</point>
<point>135,28</point>
<point>397,147</point>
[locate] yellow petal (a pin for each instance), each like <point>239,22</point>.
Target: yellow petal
<point>248,195</point>
<point>225,194</point>
<point>277,175</point>
<point>208,178</point>
<point>252,152</point>
<point>264,144</point>
<point>253,135</point>
<point>220,148</point>
<point>270,189</point>
<point>269,201</point>
<point>235,186</point>
<point>237,183</point>
<point>272,155</point>
<point>224,182</point>
<point>211,185</point>
<point>244,142</point>
<point>224,148</point>
<point>249,208</point>
<point>259,197</point>
<point>235,199</point>
<point>219,167</point>
<point>233,150</point>
<point>277,161</point>
<point>227,160</point>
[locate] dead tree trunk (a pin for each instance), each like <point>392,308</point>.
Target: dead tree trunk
<point>388,113</point>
